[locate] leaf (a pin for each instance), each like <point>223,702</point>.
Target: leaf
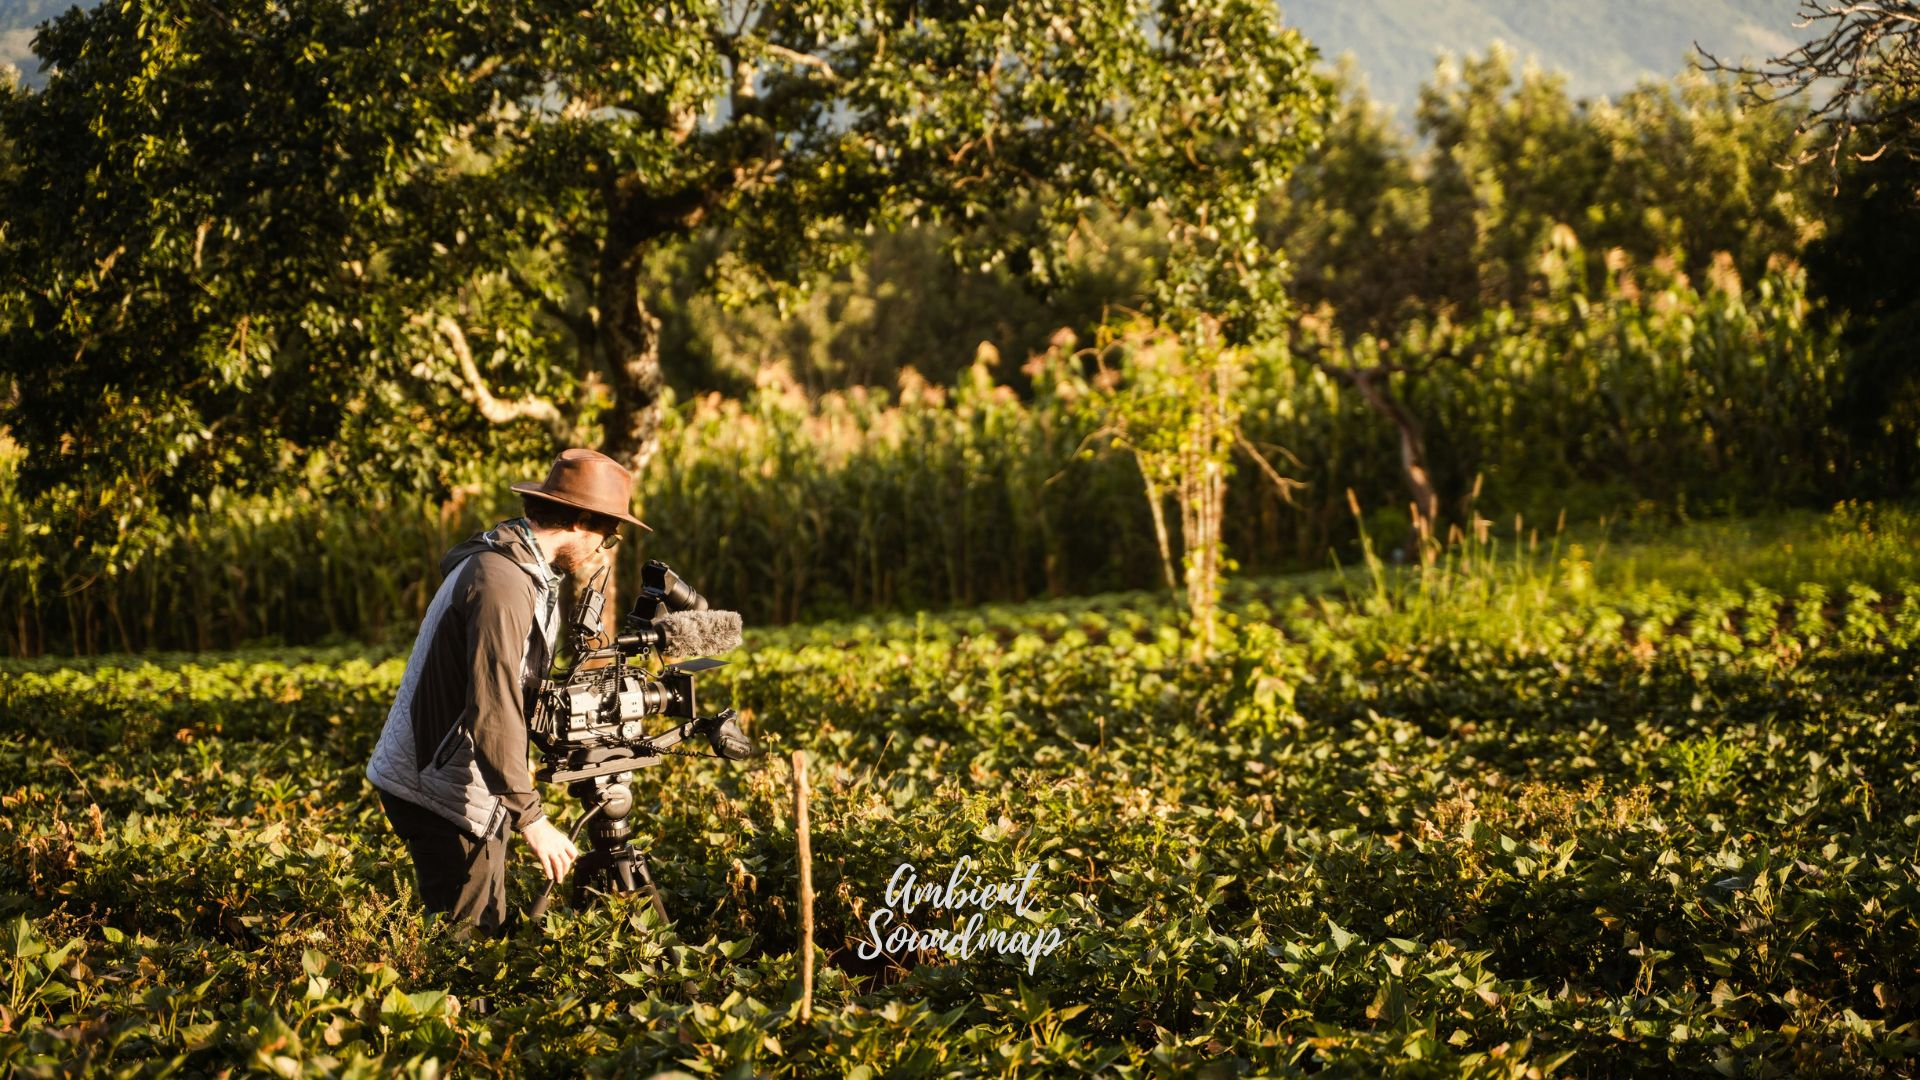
<point>1389,1002</point>
<point>314,962</point>
<point>1033,1004</point>
<point>1341,939</point>
<point>397,1008</point>
<point>23,940</point>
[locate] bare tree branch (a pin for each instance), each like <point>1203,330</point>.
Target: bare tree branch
<point>476,391</point>
<point>801,59</point>
<point>1286,484</point>
<point>1866,54</point>
<point>1370,381</point>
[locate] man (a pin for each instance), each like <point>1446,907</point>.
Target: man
<point>451,763</point>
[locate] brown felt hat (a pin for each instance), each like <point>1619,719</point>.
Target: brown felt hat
<point>589,480</point>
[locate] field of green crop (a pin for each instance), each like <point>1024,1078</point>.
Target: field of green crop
<point>1582,812</point>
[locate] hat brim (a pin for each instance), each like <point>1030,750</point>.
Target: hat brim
<point>532,487</point>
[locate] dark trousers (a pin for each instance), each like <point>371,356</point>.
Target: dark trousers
<point>457,875</point>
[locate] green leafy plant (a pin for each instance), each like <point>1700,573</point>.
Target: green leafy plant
<point>1355,842</point>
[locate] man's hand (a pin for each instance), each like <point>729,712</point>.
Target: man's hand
<point>551,846</point>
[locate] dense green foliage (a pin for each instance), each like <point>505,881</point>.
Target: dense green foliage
<point>1385,229</point>
<point>1597,306</point>
<point>1444,211</point>
<point>291,289</point>
<point>1500,815</point>
<point>403,235</point>
<point>1860,276</point>
<point>1639,387</point>
<point>1603,48</point>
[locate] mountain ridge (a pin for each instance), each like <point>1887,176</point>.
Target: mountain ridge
<point>1603,49</point>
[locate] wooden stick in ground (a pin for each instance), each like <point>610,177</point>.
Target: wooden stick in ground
<point>800,799</point>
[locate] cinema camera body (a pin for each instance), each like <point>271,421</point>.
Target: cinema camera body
<point>592,722</point>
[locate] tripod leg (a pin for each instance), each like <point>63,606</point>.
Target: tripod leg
<point>653,894</point>
<point>588,872</point>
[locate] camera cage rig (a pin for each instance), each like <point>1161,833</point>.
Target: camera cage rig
<point>590,721</point>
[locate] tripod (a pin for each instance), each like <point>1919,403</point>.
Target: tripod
<point>612,865</point>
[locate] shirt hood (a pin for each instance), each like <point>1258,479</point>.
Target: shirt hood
<point>510,538</point>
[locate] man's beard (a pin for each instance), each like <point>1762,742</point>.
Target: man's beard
<point>577,558</point>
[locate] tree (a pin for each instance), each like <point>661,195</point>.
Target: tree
<point>1387,234</point>
<point>1391,246</point>
<point>1861,71</point>
<point>1861,68</point>
<point>1353,217</point>
<point>404,232</point>
<point>1512,154</point>
<point>900,302</point>
<point>1174,403</point>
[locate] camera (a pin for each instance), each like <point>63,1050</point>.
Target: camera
<point>592,722</point>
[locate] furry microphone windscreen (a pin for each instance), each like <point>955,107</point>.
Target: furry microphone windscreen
<point>699,633</point>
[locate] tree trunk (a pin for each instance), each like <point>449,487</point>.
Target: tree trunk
<point>1413,446</point>
<point>630,349</point>
<point>627,335</point>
